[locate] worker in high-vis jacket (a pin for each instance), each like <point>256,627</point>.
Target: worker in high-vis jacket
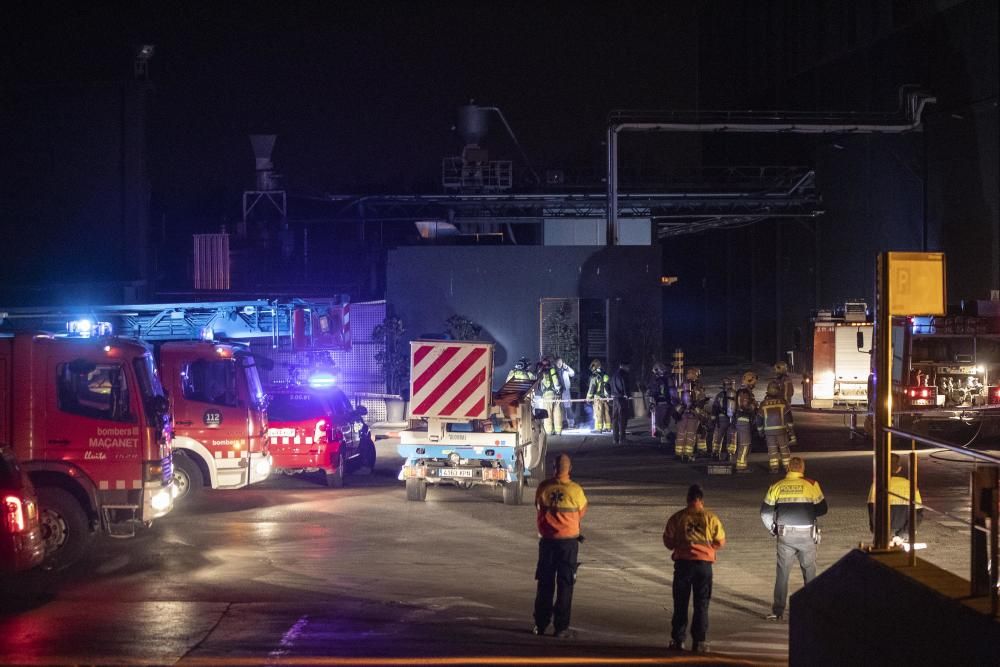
<point>597,394</point>
<point>551,384</point>
<point>561,505</point>
<point>789,512</point>
<point>899,504</point>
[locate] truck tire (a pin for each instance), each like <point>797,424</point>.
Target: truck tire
<point>512,491</point>
<point>335,479</point>
<point>538,472</point>
<point>416,489</point>
<point>65,528</point>
<point>366,457</point>
<point>187,478</point>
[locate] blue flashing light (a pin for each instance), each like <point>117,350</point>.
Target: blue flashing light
<point>322,380</point>
<point>86,328</point>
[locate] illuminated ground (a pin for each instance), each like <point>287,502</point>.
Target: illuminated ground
<point>292,573</point>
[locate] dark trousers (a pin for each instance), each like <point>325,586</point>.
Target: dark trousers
<point>556,574</point>
<point>619,419</point>
<point>691,576</point>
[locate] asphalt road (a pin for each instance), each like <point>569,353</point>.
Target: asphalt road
<point>290,572</point>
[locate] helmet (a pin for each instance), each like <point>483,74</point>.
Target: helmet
<point>692,374</point>
<point>545,362</point>
<point>595,365</point>
<point>522,364</point>
<point>750,378</point>
<point>659,369</point>
<point>774,389</point>
<point>780,367</point>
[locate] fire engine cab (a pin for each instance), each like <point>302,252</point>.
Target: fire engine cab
<point>87,417</point>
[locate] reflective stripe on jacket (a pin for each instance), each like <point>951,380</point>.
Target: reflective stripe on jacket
<point>561,505</point>
<point>598,387</point>
<point>795,500</point>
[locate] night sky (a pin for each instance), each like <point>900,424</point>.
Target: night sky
<point>362,95</point>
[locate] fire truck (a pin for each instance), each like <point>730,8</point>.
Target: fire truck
<point>468,435</point>
<point>946,372</point>
<point>214,388</point>
<point>837,368</point>
<point>87,417</point>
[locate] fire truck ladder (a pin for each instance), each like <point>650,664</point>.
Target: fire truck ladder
<point>246,319</point>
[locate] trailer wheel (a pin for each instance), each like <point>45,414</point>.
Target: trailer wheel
<point>512,492</point>
<point>187,478</point>
<point>335,479</point>
<point>65,529</point>
<point>416,488</point>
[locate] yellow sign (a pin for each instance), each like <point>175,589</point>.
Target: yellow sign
<point>917,283</point>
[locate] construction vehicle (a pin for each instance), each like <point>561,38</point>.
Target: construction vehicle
<point>87,418</point>
<point>216,398</point>
<point>468,436</point>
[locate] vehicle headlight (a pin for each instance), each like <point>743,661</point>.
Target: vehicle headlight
<point>263,467</point>
<point>161,500</point>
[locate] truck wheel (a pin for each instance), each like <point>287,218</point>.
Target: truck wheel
<point>538,472</point>
<point>416,489</point>
<point>335,479</point>
<point>65,529</point>
<point>187,478</point>
<point>512,491</point>
<point>366,457</point>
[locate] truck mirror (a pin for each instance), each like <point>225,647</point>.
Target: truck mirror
<point>861,339</point>
<point>81,366</point>
<point>361,411</point>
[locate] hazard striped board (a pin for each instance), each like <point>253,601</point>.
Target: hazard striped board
<point>450,380</point>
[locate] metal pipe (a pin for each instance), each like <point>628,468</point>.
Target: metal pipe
<point>912,524</point>
<point>940,444</point>
<point>517,143</point>
<point>883,403</point>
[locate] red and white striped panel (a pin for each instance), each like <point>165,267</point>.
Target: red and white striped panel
<point>450,380</point>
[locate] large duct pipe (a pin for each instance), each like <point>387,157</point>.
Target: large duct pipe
<point>263,145</point>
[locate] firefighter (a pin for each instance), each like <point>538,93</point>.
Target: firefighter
<point>658,401</point>
<point>787,392</point>
<point>689,425</point>
<point>774,426</point>
<point>548,377</point>
<point>746,419</point>
<point>723,415</point>
<point>597,394</point>
<point>621,388</point>
<point>521,371</point>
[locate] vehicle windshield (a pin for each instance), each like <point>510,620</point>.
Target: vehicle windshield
<point>149,377</point>
<point>254,388</point>
<point>295,407</point>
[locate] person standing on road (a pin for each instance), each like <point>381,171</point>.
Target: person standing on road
<point>789,512</point>
<point>561,505</point>
<point>566,374</point>
<point>693,535</point>
<point>548,378</point>
<point>621,387</point>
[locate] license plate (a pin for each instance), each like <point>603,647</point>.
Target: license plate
<point>455,472</point>
<point>281,432</point>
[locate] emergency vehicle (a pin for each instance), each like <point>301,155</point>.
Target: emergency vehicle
<point>216,398</point>
<point>315,428</point>
<point>836,368</point>
<point>88,420</point>
<point>469,436</point>
<point>21,544</point>
<point>946,371</point>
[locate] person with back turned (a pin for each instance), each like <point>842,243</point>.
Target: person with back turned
<point>693,535</point>
<point>561,504</point>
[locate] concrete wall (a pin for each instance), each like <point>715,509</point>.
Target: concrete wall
<point>500,288</point>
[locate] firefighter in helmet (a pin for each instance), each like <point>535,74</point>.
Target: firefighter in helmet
<point>690,432</point>
<point>724,416</point>
<point>774,427</point>
<point>597,394</point>
<point>787,392</point>
<point>548,377</point>
<point>658,401</point>
<point>747,419</point>
<point>521,371</point>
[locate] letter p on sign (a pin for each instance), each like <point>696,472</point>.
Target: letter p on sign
<point>917,283</point>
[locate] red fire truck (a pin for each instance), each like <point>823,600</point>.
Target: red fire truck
<point>216,399</point>
<point>88,420</point>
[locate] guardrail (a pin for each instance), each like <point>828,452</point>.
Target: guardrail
<point>985,523</point>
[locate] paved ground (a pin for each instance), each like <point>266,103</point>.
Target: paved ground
<point>288,572</point>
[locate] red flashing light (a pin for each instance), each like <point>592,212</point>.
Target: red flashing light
<point>14,513</point>
<point>913,393</point>
<point>924,393</point>
<point>996,392</point>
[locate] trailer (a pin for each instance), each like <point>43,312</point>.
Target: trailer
<point>466,435</point>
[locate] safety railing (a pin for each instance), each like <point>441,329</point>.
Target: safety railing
<point>984,524</point>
